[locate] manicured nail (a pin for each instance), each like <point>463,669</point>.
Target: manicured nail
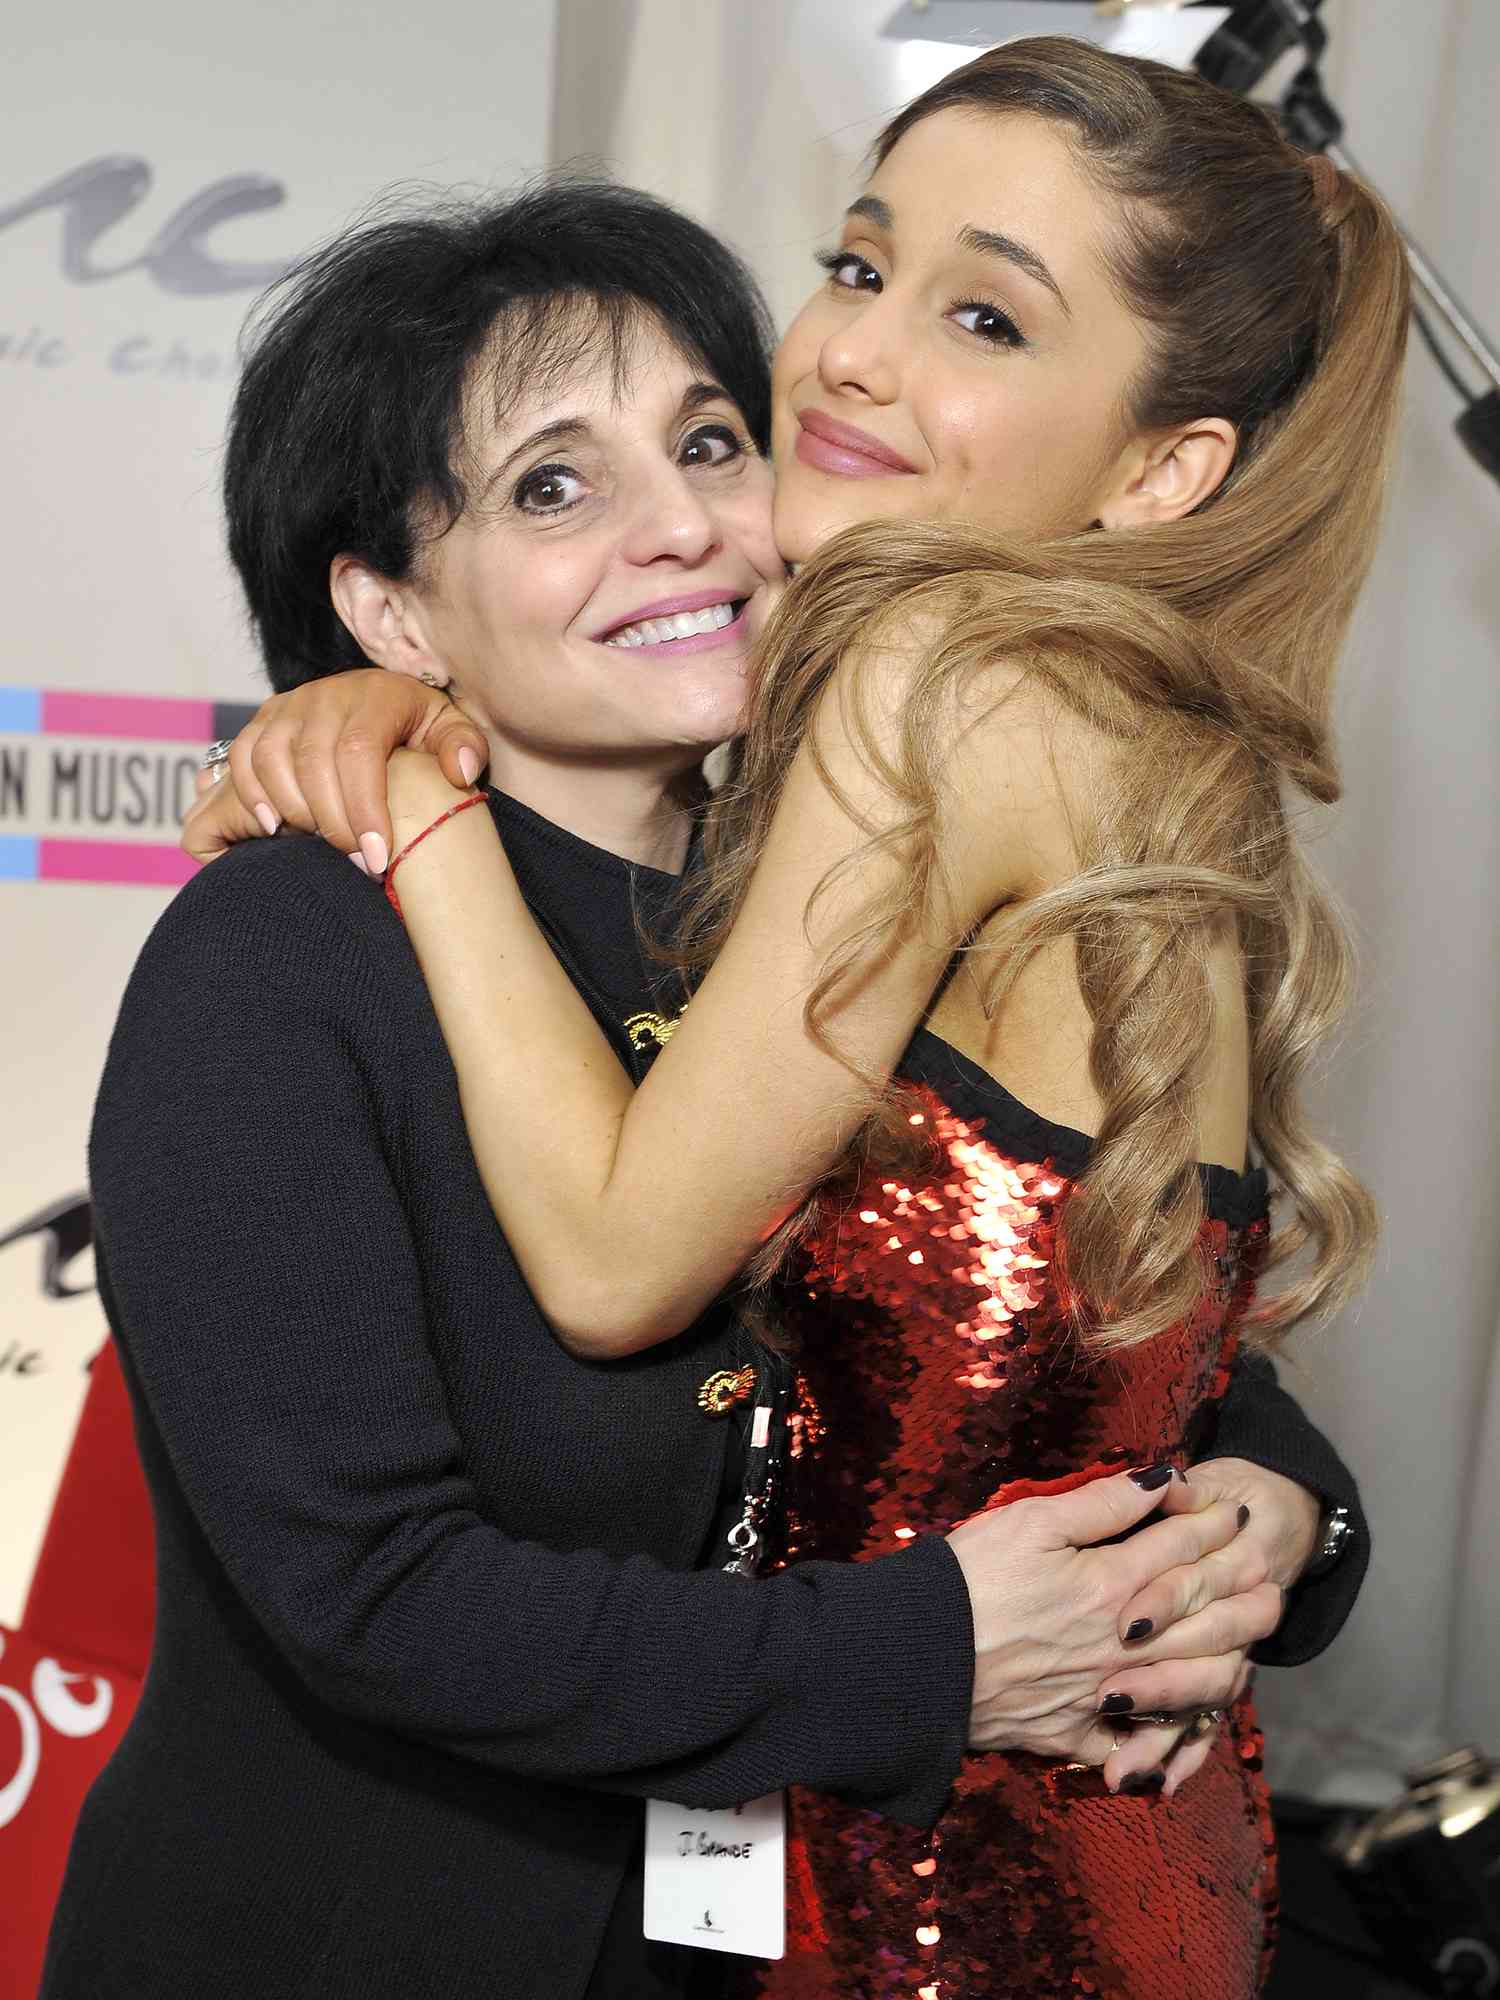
<point>1244,1515</point>
<point>1151,1478</point>
<point>269,821</point>
<point>1143,1781</point>
<point>360,863</point>
<point>1117,1704</point>
<point>1139,1628</point>
<point>373,848</point>
<point>468,763</point>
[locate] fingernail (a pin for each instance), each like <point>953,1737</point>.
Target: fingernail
<point>1243,1516</point>
<point>373,848</point>
<point>468,763</point>
<point>1151,1478</point>
<point>1139,1628</point>
<point>1181,1475</point>
<point>360,863</point>
<point>1117,1704</point>
<point>1143,1781</point>
<point>269,821</point>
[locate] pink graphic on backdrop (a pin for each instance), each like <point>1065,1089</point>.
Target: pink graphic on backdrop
<point>144,717</point>
<point>115,861</point>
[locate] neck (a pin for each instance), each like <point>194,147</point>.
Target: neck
<point>639,811</point>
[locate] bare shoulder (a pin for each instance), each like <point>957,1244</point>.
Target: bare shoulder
<point>1012,768</point>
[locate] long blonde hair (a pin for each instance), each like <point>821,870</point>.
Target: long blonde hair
<point>1276,296</point>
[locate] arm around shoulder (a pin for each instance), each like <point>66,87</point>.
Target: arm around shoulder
<point>750,1102</point>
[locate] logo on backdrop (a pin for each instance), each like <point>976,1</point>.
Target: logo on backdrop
<point>65,1231</point>
<point>93,197</point>
<point>93,787</point>
<point>53,1701</point>
<point>89,201</point>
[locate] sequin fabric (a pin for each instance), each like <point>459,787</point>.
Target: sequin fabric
<point>939,1375</point>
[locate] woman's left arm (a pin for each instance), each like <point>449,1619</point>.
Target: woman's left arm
<point>1267,1452</point>
<point>1268,1455</point>
<point>636,1207</point>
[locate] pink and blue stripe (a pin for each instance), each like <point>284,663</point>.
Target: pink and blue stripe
<point>133,717</point>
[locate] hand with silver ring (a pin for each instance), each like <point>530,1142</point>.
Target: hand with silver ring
<point>213,764</point>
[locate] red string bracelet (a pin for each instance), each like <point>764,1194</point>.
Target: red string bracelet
<point>477,799</point>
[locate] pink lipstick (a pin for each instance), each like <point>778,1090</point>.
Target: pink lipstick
<point>829,446</point>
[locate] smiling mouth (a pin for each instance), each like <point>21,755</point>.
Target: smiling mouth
<point>680,627</point>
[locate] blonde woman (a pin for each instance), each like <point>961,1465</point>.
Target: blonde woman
<point>1080,447</point>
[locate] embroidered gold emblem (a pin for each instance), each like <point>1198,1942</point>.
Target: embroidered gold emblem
<point>722,1391</point>
<point>644,1029</point>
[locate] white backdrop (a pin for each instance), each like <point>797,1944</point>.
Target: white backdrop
<point>156,164</point>
<point>788,95</point>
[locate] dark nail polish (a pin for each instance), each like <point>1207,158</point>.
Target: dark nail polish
<point>1139,1628</point>
<point>1182,1475</point>
<point>1152,1477</point>
<point>1143,1781</point>
<point>1244,1515</point>
<point>1117,1704</point>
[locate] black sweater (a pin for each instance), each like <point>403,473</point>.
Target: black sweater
<point>428,1622</point>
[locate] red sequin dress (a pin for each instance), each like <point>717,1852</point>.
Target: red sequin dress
<point>938,1374</point>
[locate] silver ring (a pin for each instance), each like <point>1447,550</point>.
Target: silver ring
<point>215,758</point>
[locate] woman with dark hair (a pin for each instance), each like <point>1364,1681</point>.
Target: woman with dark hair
<point>429,1627</point>
<point>1082,517</point>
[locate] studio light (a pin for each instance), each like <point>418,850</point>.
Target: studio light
<point>1170,30</point>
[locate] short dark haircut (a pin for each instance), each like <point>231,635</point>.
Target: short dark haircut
<point>348,428</point>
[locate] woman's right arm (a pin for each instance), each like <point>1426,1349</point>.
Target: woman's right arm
<point>260,1265</point>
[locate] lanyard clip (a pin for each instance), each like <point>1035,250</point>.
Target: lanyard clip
<point>764,1458</point>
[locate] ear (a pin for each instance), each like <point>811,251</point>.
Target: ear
<point>386,618</point>
<point>1165,479</point>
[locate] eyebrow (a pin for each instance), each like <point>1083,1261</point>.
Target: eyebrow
<point>579,429</point>
<point>988,242</point>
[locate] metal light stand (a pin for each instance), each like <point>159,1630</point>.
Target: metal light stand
<point>1237,56</point>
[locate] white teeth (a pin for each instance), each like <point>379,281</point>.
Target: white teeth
<point>681,625</point>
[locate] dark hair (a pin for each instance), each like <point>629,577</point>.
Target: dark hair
<point>349,420</point>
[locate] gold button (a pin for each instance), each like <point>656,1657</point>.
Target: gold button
<point>722,1391</point>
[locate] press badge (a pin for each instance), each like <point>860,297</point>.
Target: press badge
<point>717,1878</point>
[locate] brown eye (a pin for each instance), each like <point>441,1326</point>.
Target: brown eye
<point>978,317</point>
<point>712,444</point>
<point>548,489</point>
<point>850,272</point>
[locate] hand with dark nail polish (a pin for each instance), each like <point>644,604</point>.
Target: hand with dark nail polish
<point>1139,1628</point>
<point>1150,1477</point>
<point>1143,1782</point>
<point>1117,1704</point>
<point>1244,1515</point>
